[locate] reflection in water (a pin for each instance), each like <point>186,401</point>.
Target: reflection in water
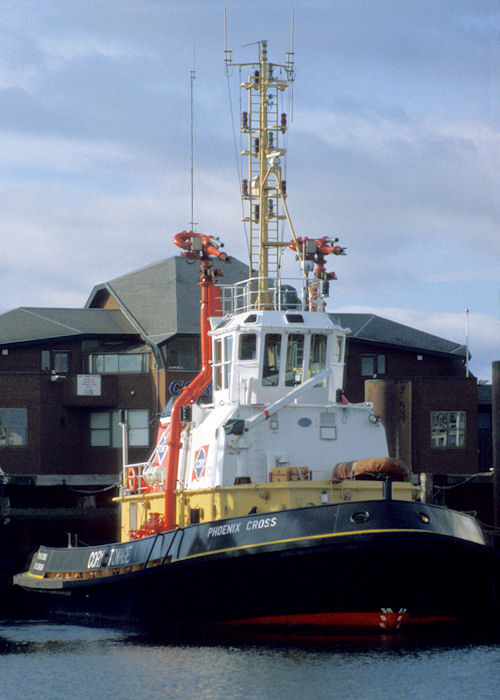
<point>40,659</point>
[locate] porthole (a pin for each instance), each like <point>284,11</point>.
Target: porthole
<point>360,516</point>
<point>423,517</point>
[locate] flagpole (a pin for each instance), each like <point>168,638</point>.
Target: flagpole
<point>467,342</point>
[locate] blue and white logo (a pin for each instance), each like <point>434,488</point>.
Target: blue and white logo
<point>161,447</point>
<point>200,463</point>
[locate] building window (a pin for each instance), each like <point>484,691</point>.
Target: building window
<point>182,352</point>
<point>118,363</point>
<point>106,431</point>
<point>448,429</point>
<point>100,429</point>
<point>13,427</point>
<point>372,365</point>
<point>484,421</point>
<point>138,427</point>
<point>56,361</point>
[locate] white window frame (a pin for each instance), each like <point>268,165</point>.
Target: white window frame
<point>105,431</point>
<point>13,427</point>
<point>448,430</point>
<point>109,363</point>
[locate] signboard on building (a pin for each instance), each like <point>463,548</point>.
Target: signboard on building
<point>88,385</point>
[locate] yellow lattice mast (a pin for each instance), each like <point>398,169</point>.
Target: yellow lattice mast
<point>263,190</point>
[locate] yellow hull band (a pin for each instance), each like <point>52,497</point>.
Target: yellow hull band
<point>305,537</point>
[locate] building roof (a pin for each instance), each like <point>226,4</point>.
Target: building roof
<point>28,325</point>
<point>163,299</point>
<point>376,329</point>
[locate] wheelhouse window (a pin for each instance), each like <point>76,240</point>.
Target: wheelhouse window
<point>223,350</point>
<point>118,363</point>
<point>56,361</point>
<point>372,365</point>
<point>228,354</point>
<point>337,348</point>
<point>448,429</point>
<point>294,359</point>
<point>13,427</point>
<point>271,363</point>
<point>317,359</point>
<point>106,431</point>
<point>248,346</point>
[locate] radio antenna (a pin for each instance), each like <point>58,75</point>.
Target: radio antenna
<point>289,58</point>
<point>192,223</point>
<point>227,53</point>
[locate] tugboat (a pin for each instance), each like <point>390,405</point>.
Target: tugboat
<point>276,506</point>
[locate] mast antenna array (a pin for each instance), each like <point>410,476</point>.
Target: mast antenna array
<point>192,223</point>
<point>263,190</point>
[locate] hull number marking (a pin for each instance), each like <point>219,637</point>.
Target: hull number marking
<point>227,529</point>
<point>260,523</point>
<point>230,528</point>
<point>116,557</point>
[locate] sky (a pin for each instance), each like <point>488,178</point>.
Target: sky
<point>393,146</point>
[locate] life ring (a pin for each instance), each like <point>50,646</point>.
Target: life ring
<point>132,480</point>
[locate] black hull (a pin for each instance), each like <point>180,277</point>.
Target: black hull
<point>381,564</point>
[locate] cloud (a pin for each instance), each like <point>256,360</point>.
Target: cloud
<point>77,46</point>
<point>30,155</point>
<point>394,145</point>
<point>62,236</point>
<point>468,273</point>
<point>381,133</point>
<point>413,199</point>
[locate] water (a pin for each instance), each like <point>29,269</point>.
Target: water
<point>45,660</point>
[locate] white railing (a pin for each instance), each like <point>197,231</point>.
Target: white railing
<point>133,480</point>
<point>257,293</point>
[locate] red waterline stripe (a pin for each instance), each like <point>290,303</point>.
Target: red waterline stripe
<point>352,620</point>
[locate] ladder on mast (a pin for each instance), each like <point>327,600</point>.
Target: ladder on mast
<point>263,190</point>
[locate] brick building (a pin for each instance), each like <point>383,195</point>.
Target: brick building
<point>419,386</point>
<point>67,376</point>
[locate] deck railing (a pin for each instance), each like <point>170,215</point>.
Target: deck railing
<point>259,293</point>
<point>133,479</point>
